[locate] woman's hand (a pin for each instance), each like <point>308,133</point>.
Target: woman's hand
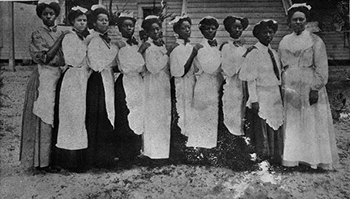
<point>172,48</point>
<point>120,44</point>
<point>197,47</point>
<point>144,47</point>
<point>313,97</point>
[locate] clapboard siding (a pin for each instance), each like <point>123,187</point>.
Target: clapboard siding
<point>335,46</point>
<point>255,10</point>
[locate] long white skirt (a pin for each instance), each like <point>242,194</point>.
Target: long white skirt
<point>204,128</point>
<point>156,136</point>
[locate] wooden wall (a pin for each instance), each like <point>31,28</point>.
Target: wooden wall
<point>255,10</point>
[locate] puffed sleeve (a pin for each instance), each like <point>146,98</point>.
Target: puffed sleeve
<point>130,60</point>
<point>73,50</point>
<point>177,62</point>
<point>228,61</point>
<point>209,59</point>
<point>99,59</point>
<point>320,78</point>
<point>155,59</point>
<point>249,73</point>
<point>37,48</point>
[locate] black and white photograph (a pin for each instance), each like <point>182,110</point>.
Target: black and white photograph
<point>174,99</point>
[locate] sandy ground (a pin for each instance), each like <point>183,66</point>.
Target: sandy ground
<point>181,181</point>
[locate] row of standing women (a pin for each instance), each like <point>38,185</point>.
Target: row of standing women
<point>114,100</point>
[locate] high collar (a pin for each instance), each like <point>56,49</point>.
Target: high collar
<point>205,41</point>
<point>236,42</point>
<point>50,29</point>
<point>182,41</point>
<point>261,46</point>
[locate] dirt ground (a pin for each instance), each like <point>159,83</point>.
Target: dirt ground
<point>180,181</point>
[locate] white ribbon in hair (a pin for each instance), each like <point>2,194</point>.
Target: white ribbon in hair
<point>83,10</point>
<point>151,17</point>
<point>47,1</point>
<point>300,5</point>
<point>266,20</point>
<point>177,19</point>
<point>94,7</point>
<point>128,14</point>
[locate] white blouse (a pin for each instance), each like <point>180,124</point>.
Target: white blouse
<point>74,50</point>
<point>179,58</point>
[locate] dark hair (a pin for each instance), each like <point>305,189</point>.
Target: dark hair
<point>177,25</point>
<point>120,21</point>
<point>208,22</point>
<point>92,16</point>
<point>230,20</point>
<point>53,5</point>
<point>147,24</point>
<point>302,9</point>
<point>264,24</point>
<point>73,14</point>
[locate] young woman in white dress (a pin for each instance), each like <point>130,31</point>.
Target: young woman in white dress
<point>72,135</point>
<point>309,132</point>
<point>157,114</point>
<point>203,130</point>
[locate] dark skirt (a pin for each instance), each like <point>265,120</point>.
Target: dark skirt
<point>102,144</point>
<point>231,151</point>
<point>36,136</point>
<point>129,143</point>
<point>177,139</point>
<point>267,142</point>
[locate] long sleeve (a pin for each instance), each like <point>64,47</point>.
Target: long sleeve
<point>320,78</point>
<point>253,95</point>
<point>155,59</point>
<point>38,48</point>
<point>249,71</point>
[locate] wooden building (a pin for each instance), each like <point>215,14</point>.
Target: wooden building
<point>25,21</point>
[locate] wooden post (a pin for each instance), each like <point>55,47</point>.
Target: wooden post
<point>12,39</point>
<point>184,7</point>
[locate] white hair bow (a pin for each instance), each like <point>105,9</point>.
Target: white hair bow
<point>300,5</point>
<point>151,17</point>
<point>47,1</point>
<point>94,7</point>
<point>177,19</point>
<point>83,10</point>
<point>128,14</point>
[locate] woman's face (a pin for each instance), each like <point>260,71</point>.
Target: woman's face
<point>236,29</point>
<point>101,24</point>
<point>265,35</point>
<point>127,28</point>
<point>80,22</point>
<point>155,32</point>
<point>185,30</point>
<point>48,16</point>
<point>298,22</point>
<point>209,31</point>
